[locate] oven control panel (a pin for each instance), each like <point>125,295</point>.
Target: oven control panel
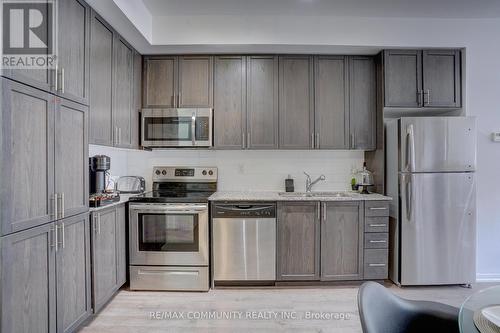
<point>184,174</point>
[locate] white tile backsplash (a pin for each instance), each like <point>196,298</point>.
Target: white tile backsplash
<point>243,169</point>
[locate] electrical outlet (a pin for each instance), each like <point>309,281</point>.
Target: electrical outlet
<point>495,137</point>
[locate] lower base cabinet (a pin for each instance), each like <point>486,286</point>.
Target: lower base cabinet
<point>108,254</point>
<point>45,277</point>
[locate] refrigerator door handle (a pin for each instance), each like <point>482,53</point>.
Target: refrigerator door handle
<point>409,197</point>
<point>410,148</point>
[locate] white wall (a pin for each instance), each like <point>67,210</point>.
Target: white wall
<point>243,170</point>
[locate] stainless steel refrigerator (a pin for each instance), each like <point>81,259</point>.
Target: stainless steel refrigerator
<point>430,174</point>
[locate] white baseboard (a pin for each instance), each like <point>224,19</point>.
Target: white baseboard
<point>481,277</point>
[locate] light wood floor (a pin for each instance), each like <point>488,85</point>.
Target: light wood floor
<point>130,311</point>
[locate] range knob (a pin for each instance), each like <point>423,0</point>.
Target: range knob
<point>164,172</point>
<point>157,172</point>
<point>204,172</point>
<point>210,172</point>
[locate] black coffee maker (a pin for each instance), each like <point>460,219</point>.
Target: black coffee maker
<point>98,166</point>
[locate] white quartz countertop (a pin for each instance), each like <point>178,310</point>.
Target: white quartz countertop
<point>295,196</point>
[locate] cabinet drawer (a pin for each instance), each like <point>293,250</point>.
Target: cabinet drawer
<point>376,256</point>
<point>375,271</point>
<point>376,240</point>
<point>377,224</point>
<point>376,208</point>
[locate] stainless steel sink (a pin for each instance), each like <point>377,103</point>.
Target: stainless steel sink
<point>316,194</point>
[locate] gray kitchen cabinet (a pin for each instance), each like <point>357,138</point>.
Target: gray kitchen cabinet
<point>27,173</point>
<point>195,82</point>
<point>296,102</point>
<point>428,78</point>
<point>108,253</point>
<point>39,78</point>
<point>376,240</point>
<point>403,78</point>
<point>28,281</point>
<point>122,100</point>
<point>262,102</point>
<point>71,158</point>
<point>342,241</point>
<point>331,95</point>
<point>441,78</point>
<point>362,103</point>
<point>101,81</point>
<point>229,102</point>
<point>137,99</point>
<point>72,80</point>
<point>73,272</point>
<point>298,248</point>
<point>160,82</point>
<point>121,245</point>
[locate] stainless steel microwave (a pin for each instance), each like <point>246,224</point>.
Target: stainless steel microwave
<point>177,127</point>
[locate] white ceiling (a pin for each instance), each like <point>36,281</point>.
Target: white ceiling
<point>352,8</point>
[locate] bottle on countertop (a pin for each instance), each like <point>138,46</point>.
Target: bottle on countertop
<point>289,187</point>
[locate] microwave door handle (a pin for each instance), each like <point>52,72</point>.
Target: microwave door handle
<point>193,128</point>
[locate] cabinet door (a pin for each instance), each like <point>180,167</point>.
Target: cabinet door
<point>342,241</point>
<point>137,100</point>
<point>101,78</point>
<point>441,78</point>
<point>262,102</point>
<point>27,155</point>
<point>195,82</point>
<point>229,102</point>
<point>298,241</point>
<point>123,93</point>
<point>104,257</point>
<point>296,102</point>
<point>160,82</point>
<point>40,78</point>
<point>121,245</point>
<point>331,102</point>
<point>403,78</point>
<point>28,281</point>
<point>362,106</point>
<point>73,55</point>
<point>73,272</point>
<point>71,159</point>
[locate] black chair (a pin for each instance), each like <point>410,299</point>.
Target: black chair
<point>382,312</point>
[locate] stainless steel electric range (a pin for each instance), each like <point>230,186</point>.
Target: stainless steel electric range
<point>168,230</point>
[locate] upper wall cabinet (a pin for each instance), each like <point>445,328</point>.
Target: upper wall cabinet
<point>429,78</point>
<point>183,81</point>
<point>71,78</point>
<point>296,102</point>
<point>115,87</point>
<point>73,55</point>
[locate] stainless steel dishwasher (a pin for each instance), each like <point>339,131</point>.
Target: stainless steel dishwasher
<point>244,242</point>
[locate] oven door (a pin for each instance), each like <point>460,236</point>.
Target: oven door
<point>176,127</point>
<point>168,234</point>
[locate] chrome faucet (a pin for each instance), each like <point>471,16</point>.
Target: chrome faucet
<point>310,183</point>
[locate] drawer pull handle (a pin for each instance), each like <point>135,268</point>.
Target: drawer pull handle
<point>378,225</point>
<point>160,272</point>
<point>376,265</point>
<point>378,241</point>
<point>378,208</point>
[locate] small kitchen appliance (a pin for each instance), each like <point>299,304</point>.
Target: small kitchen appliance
<point>130,185</point>
<point>168,230</point>
<point>98,167</point>
<point>364,178</point>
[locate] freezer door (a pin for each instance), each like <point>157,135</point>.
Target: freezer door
<point>438,232</point>
<point>437,144</point>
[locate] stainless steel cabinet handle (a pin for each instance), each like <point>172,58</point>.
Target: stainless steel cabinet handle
<point>94,223</point>
<point>410,148</point>
<point>353,141</point>
<point>378,225</point>
<point>63,236</point>
<point>378,208</point>
<point>427,95</point>
<point>376,265</point>
<point>378,241</point>
<point>243,141</point>
<point>318,209</point>
<point>54,206</point>
<point>119,135</point>
<point>317,140</point>
<point>312,140</point>
<point>62,208</point>
<point>62,80</point>
<point>248,140</point>
<point>324,212</point>
<point>54,237</point>
<point>179,98</point>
